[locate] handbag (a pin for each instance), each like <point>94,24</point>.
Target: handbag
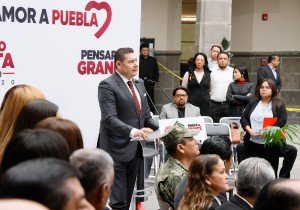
<point>235,133</point>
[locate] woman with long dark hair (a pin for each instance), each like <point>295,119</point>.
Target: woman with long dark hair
<point>206,179</point>
<point>240,91</point>
<point>265,105</point>
<point>197,81</point>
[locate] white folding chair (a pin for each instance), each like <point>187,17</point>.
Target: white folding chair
<point>207,119</point>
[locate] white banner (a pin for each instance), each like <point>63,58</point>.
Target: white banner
<point>191,123</point>
<point>65,48</point>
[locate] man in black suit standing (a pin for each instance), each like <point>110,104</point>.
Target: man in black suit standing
<point>253,174</point>
<point>270,71</point>
<point>148,70</point>
<point>125,115</point>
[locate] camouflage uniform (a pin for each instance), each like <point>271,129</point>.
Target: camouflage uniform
<point>167,179</point>
<point>172,172</point>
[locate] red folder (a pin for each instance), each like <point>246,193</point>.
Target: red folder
<point>269,121</point>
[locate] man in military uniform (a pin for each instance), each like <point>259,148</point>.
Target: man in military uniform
<point>182,149</point>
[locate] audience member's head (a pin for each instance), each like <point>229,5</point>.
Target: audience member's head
<point>274,60</point>
<point>279,194</point>
<point>33,112</point>
<point>206,179</point>
<point>20,204</point>
<point>49,181</point>
<point>144,49</point>
<point>214,52</point>
<point>219,145</point>
<point>240,73</point>
<point>180,96</point>
<point>253,174</point>
<point>223,60</point>
<point>200,61</point>
<point>30,144</point>
<point>67,128</point>
<point>97,174</point>
<point>14,100</point>
<point>179,142</point>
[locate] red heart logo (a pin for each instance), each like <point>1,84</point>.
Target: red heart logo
<point>99,6</point>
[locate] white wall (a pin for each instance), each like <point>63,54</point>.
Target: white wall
<point>279,33</point>
<point>160,19</point>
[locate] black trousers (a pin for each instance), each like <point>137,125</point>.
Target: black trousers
<point>125,177</point>
<point>270,153</point>
<point>219,110</point>
<point>288,152</point>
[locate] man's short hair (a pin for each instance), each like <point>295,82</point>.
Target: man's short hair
<point>253,174</point>
<point>219,145</point>
<point>272,57</point>
<point>144,45</point>
<point>40,180</point>
<point>180,88</point>
<point>95,166</point>
<point>217,47</point>
<point>224,53</point>
<point>279,194</point>
<point>121,52</point>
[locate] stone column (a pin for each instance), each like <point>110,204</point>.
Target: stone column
<point>161,19</point>
<point>213,23</point>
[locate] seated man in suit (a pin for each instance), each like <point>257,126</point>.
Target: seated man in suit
<point>253,174</point>
<point>182,109</point>
<point>182,149</point>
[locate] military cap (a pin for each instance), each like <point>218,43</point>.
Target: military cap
<point>176,133</point>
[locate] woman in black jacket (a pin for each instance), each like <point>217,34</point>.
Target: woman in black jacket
<point>197,81</point>
<point>240,91</point>
<point>266,105</point>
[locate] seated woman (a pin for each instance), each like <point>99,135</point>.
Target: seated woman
<point>67,128</point>
<point>206,179</point>
<point>240,91</point>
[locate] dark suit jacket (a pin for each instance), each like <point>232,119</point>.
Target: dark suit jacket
<point>148,68</point>
<point>235,203</point>
<point>265,72</point>
<point>119,116</point>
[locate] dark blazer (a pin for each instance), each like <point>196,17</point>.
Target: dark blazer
<point>148,68</point>
<point>235,203</point>
<point>199,92</point>
<point>265,72</point>
<point>279,112</point>
<point>119,116</point>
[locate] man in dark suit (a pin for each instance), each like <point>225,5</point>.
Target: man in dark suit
<point>270,71</point>
<point>148,70</point>
<point>125,115</point>
<point>253,174</point>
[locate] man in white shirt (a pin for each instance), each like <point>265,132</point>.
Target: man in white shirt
<point>221,77</point>
<point>212,59</point>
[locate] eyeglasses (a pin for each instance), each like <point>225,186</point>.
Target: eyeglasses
<point>181,95</point>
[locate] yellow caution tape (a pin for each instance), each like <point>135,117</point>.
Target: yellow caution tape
<point>178,77</point>
<point>170,71</point>
<point>293,109</point>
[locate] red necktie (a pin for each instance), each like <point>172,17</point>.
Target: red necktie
<point>136,101</point>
